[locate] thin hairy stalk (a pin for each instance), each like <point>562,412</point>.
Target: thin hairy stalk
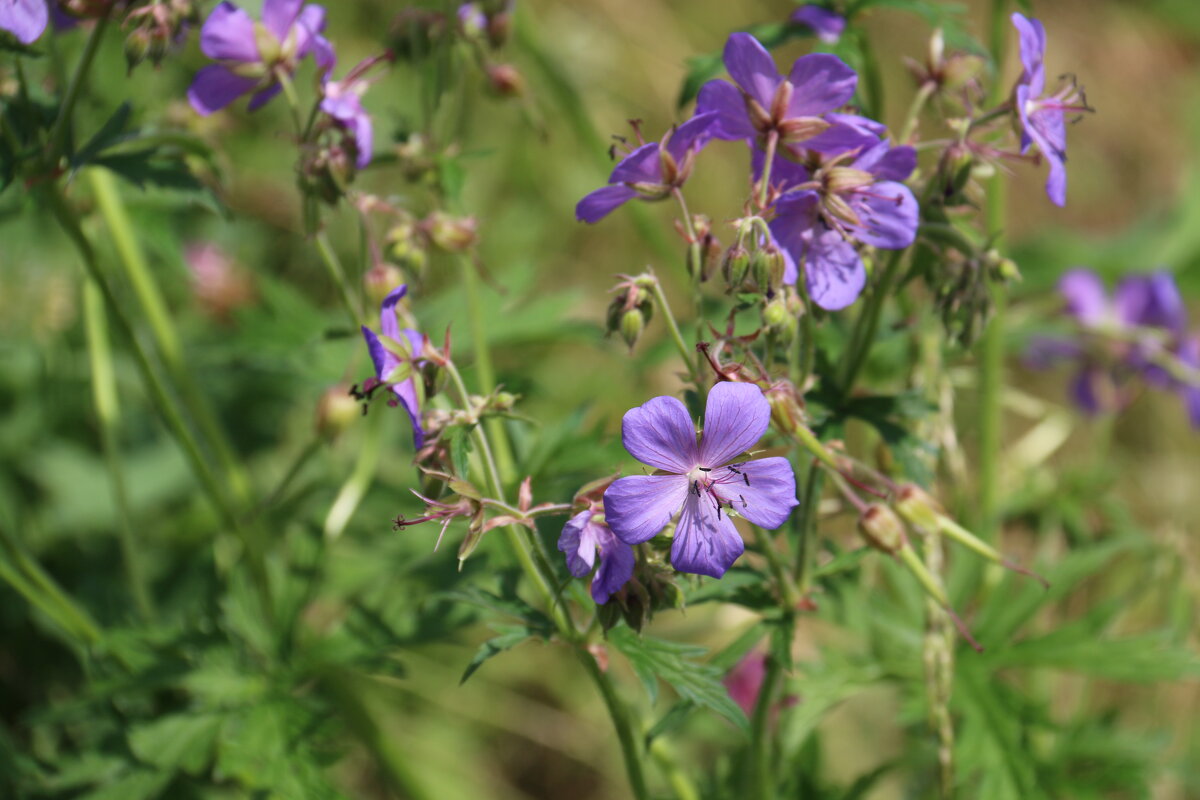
<point>764,189</point>
<point>938,659</point>
<point>806,544</point>
<point>166,405</point>
<point>132,260</point>
<point>104,399</point>
<point>688,355</point>
<point>631,749</point>
<point>762,785</point>
<point>62,123</point>
<point>487,373</point>
<point>914,110</point>
<point>337,274</point>
<point>865,328</point>
<point>355,488</point>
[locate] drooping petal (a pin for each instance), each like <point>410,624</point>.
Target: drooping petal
<point>834,273</point>
<point>1189,354</point>
<point>723,99</point>
<point>406,393</point>
<point>763,491</point>
<point>597,205</point>
<point>1056,181</point>
<point>1032,41</point>
<point>751,67</point>
<point>24,19</point>
<point>638,507</point>
<point>215,87</point>
<point>260,99</point>
<point>640,165</point>
<point>228,35</point>
<point>1085,297</point>
<point>889,214</point>
<point>616,565</point>
<point>279,15</point>
<point>578,543</point>
<point>660,433</point>
<point>735,418</point>
<point>821,83</point>
<point>387,312</point>
<point>706,541</point>
<point>693,133</point>
<point>384,361</point>
<point>1151,300</point>
<point>796,214</point>
<point>826,24</point>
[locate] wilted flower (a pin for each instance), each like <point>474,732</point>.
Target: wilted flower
<point>701,478</point>
<point>394,354</point>
<point>827,25</point>
<point>252,55</point>
<point>1043,118</point>
<point>847,198</point>
<point>651,171</point>
<point>794,107</point>
<point>24,19</point>
<point>581,538</point>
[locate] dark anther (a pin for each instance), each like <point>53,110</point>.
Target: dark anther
<point>718,509</point>
<point>704,469</point>
<point>746,478</point>
<point>743,501</point>
<point>696,487</point>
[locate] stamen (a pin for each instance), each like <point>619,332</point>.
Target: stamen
<point>704,469</point>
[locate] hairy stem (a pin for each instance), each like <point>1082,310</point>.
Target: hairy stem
<point>62,123</point>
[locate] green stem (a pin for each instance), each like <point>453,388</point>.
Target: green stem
<point>162,400</point>
<point>914,111</point>
<point>27,576</point>
<point>760,739</point>
<point>355,488</point>
<point>687,355</point>
<point>676,776</point>
<point>104,397</point>
<point>298,464</point>
<point>62,123</point>
<point>630,747</point>
<point>872,78</point>
<point>806,541</point>
<point>787,588</point>
<point>333,266</point>
<point>132,260</point>
<point>764,190</point>
<point>695,260</point>
<point>867,325</point>
<point>808,329</point>
<point>487,373</point>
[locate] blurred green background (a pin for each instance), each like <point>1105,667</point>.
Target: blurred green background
<point>527,725</point>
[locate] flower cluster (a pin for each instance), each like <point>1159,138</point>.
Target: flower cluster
<point>1139,333</point>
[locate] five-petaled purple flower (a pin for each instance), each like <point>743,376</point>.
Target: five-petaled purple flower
<point>253,55</point>
<point>581,537</point>
<point>24,19</point>
<point>1043,118</point>
<point>793,108</point>
<point>702,478</point>
<point>854,196</point>
<point>827,25</point>
<point>651,171</point>
<point>1134,332</point>
<point>393,348</point>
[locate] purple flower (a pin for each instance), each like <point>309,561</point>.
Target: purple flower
<point>24,19</point>
<point>651,171</point>
<point>701,478</point>
<point>343,103</point>
<point>848,198</point>
<point>392,349</point>
<point>581,537</point>
<point>1189,356</point>
<point>1132,332</point>
<point>826,24</point>
<point>252,55</point>
<point>1043,118</point>
<point>794,108</point>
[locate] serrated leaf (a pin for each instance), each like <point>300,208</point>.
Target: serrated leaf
<point>460,448</point>
<point>513,606</point>
<point>654,659</point>
<point>1136,659</point>
<point>110,132</point>
<point>510,636</point>
<point>179,741</point>
<point>147,168</point>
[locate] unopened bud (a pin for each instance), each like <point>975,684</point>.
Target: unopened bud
<point>775,313</point>
<point>453,234</point>
<point>405,248</point>
<point>379,280</point>
<point>505,80</point>
<point>882,529</point>
<point>336,411</point>
<point>632,324</point>
<point>916,506</point>
<point>767,267</point>
<point>787,413</point>
<point>736,267</point>
<point>137,47</point>
<point>499,26</point>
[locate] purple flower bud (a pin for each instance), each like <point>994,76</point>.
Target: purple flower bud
<point>582,537</point>
<point>826,24</point>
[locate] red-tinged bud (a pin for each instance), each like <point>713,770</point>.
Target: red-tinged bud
<point>379,280</point>
<point>592,492</point>
<point>787,407</point>
<point>337,410</point>
<point>882,529</point>
<point>86,8</point>
<point>137,47</point>
<point>801,129</point>
<point>847,179</point>
<point>505,80</point>
<point>767,267</point>
<point>918,508</point>
<point>499,27</point>
<point>450,233</point>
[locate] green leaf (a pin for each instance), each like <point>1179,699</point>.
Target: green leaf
<point>674,663</point>
<point>179,741</point>
<point>1137,659</point>
<point>460,448</point>
<point>139,785</point>
<point>510,636</point>
<point>110,133</point>
<point>147,168</point>
<point>513,606</point>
